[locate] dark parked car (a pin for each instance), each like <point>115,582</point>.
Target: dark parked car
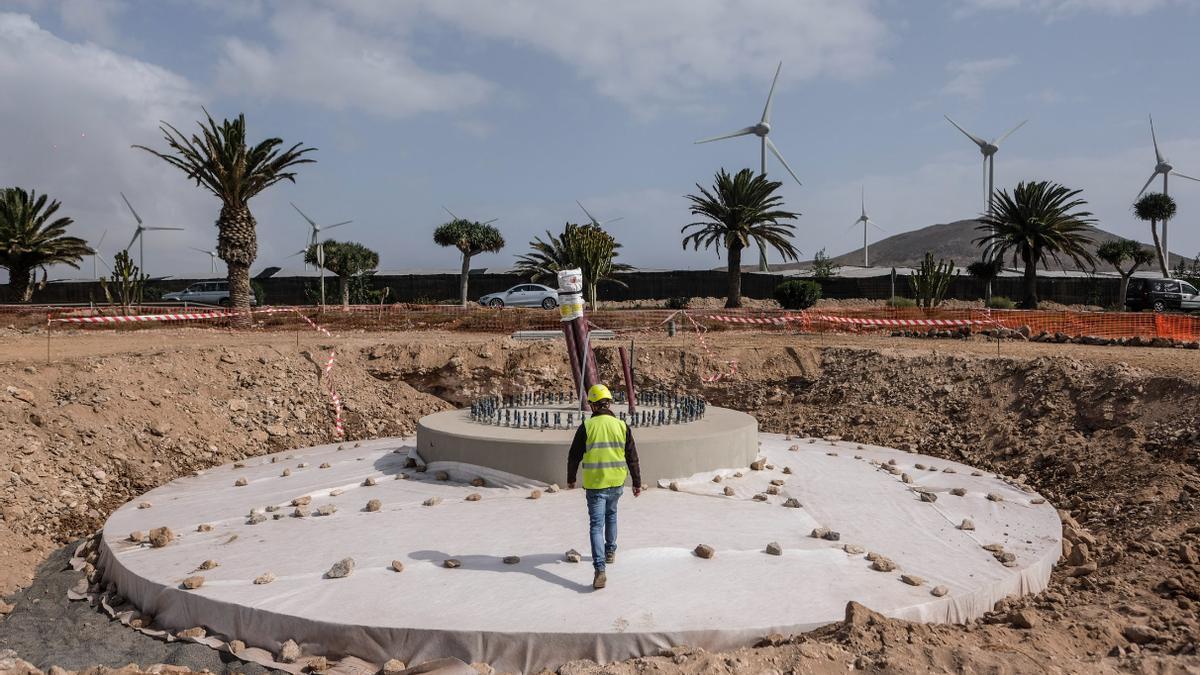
<point>1161,295</point>
<point>205,293</point>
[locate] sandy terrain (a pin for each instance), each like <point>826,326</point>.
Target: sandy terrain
<point>1109,434</point>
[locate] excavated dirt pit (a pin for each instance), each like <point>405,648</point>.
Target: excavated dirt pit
<point>1109,435</point>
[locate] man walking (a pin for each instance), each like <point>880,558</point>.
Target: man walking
<point>604,444</point>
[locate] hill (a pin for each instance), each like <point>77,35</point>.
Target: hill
<point>952,241</point>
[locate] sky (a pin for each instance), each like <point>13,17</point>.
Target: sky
<point>514,110</point>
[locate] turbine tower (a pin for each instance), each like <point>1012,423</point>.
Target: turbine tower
<point>212,258</point>
<point>139,235</point>
<point>592,218</point>
<point>988,150</point>
<point>1161,166</point>
<point>314,239</point>
<point>762,129</point>
<point>96,253</point>
<point>865,221</point>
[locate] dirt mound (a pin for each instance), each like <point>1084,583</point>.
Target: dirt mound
<point>1116,446</point>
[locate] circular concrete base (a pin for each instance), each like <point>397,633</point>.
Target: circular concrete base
<point>722,438</point>
<point>540,611</point>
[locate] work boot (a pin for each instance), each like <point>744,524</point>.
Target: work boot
<point>610,557</point>
<point>599,580</point>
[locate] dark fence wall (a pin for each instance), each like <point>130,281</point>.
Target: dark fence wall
<point>432,288</point>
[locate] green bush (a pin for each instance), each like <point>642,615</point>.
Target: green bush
<point>797,294</point>
<point>680,302</point>
<point>1000,302</point>
<point>899,302</point>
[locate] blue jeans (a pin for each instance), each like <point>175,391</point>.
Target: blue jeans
<point>602,514</point>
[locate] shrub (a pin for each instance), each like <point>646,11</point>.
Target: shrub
<point>900,303</point>
<point>680,302</point>
<point>1000,302</point>
<point>797,294</point>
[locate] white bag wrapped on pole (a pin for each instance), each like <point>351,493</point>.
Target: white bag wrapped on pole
<point>570,306</point>
<point>570,281</point>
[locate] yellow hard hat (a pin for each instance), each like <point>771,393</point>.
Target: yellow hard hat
<point>598,393</point>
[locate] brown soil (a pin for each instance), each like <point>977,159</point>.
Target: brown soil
<point>1110,434</point>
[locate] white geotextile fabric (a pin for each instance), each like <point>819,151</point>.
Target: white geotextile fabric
<point>542,611</point>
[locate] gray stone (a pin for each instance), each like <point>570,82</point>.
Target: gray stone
<point>912,579</point>
<point>958,492</point>
<point>289,652</point>
<point>704,551</point>
<point>451,563</point>
<point>572,556</point>
<point>473,497</point>
<point>393,667</point>
<point>161,536</point>
<point>194,633</point>
<point>774,548</point>
<point>341,568</point>
<point>511,560</point>
<point>432,501</point>
<point>939,591</point>
<point>327,510</point>
<point>853,549</point>
<point>728,491</point>
<point>397,566</point>
<point>882,564</point>
<point>208,565</point>
<point>374,505</point>
<point>928,497</point>
<point>966,524</point>
<point>264,578</point>
<point>535,494</point>
<point>819,532</point>
<point>193,582</point>
<point>831,536</point>
<point>369,482</point>
<point>241,482</point>
<point>1024,619</point>
<point>792,503</point>
<point>994,497</point>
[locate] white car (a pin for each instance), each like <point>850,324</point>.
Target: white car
<point>524,295</point>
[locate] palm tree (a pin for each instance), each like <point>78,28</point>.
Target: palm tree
<point>1037,222</point>
<point>345,259</point>
<point>31,237</point>
<point>740,209</point>
<point>218,160</point>
<point>986,271</point>
<point>587,247</point>
<point>1155,208</point>
<point>471,238</point>
<point>1115,252</point>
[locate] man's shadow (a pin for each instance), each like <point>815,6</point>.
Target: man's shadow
<point>530,564</point>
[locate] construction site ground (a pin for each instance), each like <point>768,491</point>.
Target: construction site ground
<point>1111,435</point>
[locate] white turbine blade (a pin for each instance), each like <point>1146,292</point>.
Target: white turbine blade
<point>102,236</point>
<point>300,252</point>
<point>489,222</point>
<point>304,215</point>
<point>613,220</point>
<point>1176,173</point>
<point>875,225</point>
<point>451,213</point>
<point>135,214</point>
<point>1157,155</point>
<point>743,132</point>
<point>775,151</point>
<point>330,227</point>
<point>1000,140</point>
<point>163,228</point>
<point>105,264</point>
<point>200,250</point>
<point>136,233</point>
<point>766,116</point>
<point>589,214</point>
<point>1148,181</point>
<point>978,141</point>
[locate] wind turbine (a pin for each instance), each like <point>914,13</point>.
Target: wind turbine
<point>1161,166</point>
<point>988,150</point>
<point>96,252</point>
<point>762,129</point>
<point>139,235</point>
<point>592,218</point>
<point>486,222</point>
<point>865,221</point>
<point>315,240</point>
<point>212,257</point>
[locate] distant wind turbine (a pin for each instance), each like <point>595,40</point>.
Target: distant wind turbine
<point>139,235</point>
<point>1163,167</point>
<point>592,218</point>
<point>762,129</point>
<point>96,252</point>
<point>866,222</point>
<point>315,240</point>
<point>212,257</point>
<point>486,222</point>
<point>988,149</point>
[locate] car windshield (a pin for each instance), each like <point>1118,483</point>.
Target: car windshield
<point>1188,289</point>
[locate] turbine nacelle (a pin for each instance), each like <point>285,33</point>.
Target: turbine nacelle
<point>762,129</point>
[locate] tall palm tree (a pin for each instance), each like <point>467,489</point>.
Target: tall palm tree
<point>471,238</point>
<point>587,247</point>
<point>1157,208</point>
<point>740,209</point>
<point>219,160</point>
<point>1037,222</point>
<point>32,237</point>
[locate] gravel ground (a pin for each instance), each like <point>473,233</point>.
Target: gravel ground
<point>47,630</point>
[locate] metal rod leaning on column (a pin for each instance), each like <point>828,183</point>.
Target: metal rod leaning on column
<point>628,371</point>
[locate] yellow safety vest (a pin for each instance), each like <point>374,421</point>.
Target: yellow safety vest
<point>604,455</point>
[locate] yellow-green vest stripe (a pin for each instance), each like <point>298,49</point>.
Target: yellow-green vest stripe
<point>604,453</point>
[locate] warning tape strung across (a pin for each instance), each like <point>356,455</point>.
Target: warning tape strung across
<point>939,323</point>
<point>700,330</point>
<point>335,398</point>
<point>190,316</point>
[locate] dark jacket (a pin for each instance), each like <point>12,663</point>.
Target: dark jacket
<point>579,445</point>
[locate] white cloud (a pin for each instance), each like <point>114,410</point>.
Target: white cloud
<point>318,58</point>
<point>68,134</point>
<point>668,52</point>
<point>1054,8</point>
<point>969,78</point>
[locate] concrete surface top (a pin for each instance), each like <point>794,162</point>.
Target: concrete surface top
<point>541,611</point>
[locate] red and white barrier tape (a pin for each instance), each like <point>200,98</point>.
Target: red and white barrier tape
<point>700,330</point>
<point>189,316</point>
<point>897,323</point>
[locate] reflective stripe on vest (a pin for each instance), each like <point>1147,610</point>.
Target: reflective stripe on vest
<point>604,455</point>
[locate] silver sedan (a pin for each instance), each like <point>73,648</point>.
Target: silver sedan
<point>524,295</point>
